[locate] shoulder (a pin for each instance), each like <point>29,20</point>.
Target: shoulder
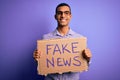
<point>50,35</point>
<point>75,34</point>
<point>47,36</point>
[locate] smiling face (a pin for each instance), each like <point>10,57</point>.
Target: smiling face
<point>63,16</point>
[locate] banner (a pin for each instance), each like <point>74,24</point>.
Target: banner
<point>61,55</point>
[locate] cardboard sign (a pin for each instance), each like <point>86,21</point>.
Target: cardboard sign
<point>61,55</point>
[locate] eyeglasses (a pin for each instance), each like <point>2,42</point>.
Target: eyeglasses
<point>63,12</point>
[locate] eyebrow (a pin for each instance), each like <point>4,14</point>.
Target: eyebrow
<point>63,12</point>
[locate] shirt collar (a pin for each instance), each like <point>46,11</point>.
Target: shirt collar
<point>56,32</point>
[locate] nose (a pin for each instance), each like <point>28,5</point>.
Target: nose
<point>63,14</point>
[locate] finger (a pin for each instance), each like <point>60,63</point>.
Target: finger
<point>38,54</point>
<point>87,53</point>
<point>35,54</point>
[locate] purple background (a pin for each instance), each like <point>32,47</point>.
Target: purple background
<point>22,22</point>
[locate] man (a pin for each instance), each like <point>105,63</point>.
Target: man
<point>63,16</point>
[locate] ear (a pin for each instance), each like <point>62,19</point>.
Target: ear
<point>55,16</point>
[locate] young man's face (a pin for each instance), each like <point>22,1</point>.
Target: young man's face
<point>63,16</point>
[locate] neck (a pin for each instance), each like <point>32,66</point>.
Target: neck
<point>63,30</point>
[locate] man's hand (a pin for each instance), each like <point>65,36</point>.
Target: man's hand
<point>36,55</point>
<point>87,54</point>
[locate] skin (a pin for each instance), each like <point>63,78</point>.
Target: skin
<point>63,17</point>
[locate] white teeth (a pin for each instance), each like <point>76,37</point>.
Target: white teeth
<point>63,20</point>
